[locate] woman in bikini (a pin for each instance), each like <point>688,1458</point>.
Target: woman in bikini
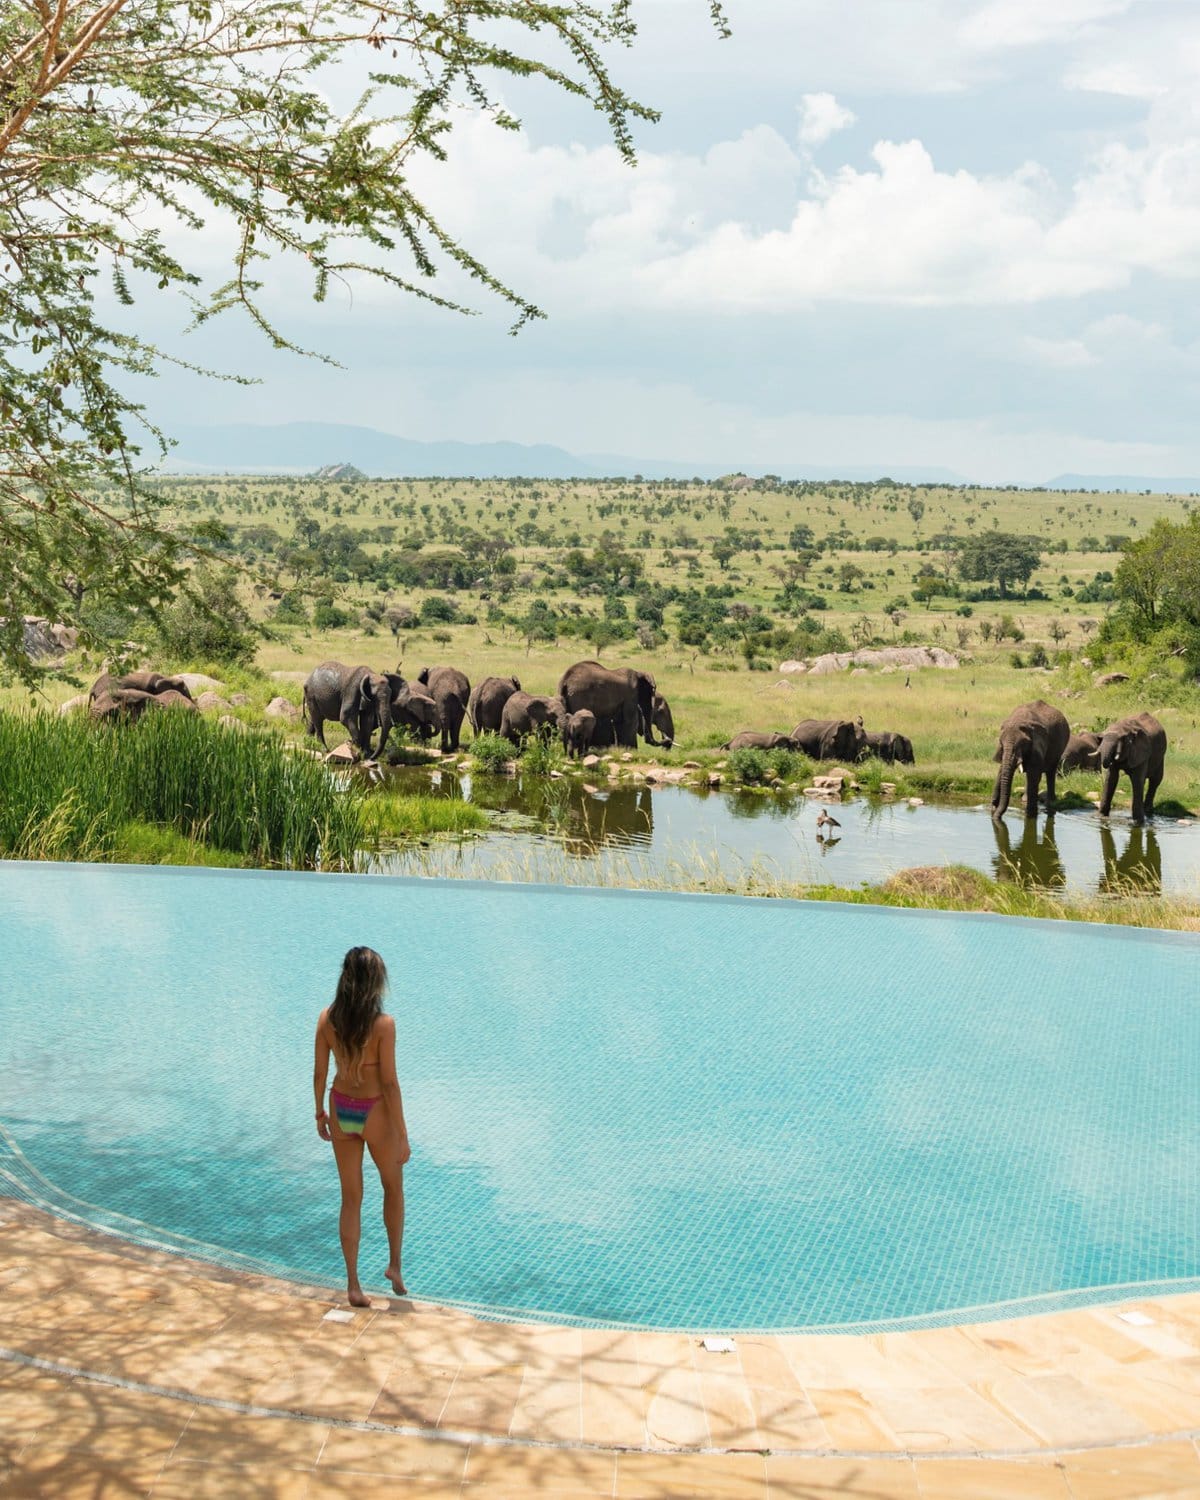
<point>364,1107</point>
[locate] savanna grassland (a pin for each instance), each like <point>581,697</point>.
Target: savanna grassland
<point>710,586</point>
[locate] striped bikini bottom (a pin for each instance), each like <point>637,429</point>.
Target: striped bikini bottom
<point>351,1114</point>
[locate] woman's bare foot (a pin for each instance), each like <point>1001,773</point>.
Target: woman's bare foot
<point>357,1297</point>
<point>397,1281</point>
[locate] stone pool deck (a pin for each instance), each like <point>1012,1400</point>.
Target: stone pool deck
<point>126,1372</point>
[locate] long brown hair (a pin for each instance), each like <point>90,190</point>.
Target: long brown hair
<point>357,1004</point>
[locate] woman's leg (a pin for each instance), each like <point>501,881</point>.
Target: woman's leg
<point>385,1152</point>
<point>348,1153</point>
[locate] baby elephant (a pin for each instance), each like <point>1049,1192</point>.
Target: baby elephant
<point>1082,753</point>
<point>1138,746</point>
<point>889,746</point>
<point>757,739</point>
<point>578,730</point>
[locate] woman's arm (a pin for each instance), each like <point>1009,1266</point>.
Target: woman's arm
<point>320,1073</point>
<point>390,1085</point>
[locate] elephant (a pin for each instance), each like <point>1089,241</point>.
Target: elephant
<point>413,707</point>
<point>662,719</point>
<point>486,703</point>
<point>889,746</point>
<point>529,713</point>
<point>451,691</point>
<point>577,731</point>
<point>1082,753</point>
<point>115,702</point>
<point>355,696</point>
<point>1034,737</point>
<point>621,694</point>
<point>1138,746</point>
<point>829,739</point>
<point>154,682</point>
<point>758,739</point>
<point>169,698</point>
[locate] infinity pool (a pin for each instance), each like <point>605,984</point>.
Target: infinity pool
<point>626,1108</point>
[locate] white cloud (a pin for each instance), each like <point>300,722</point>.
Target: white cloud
<point>1027,23</point>
<point>1059,354</point>
<point>821,116</point>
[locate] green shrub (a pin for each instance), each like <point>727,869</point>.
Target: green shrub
<point>542,754</point>
<point>749,766</point>
<point>208,621</point>
<point>491,752</point>
<point>791,765</point>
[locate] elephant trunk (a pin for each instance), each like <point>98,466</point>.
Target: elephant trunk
<point>385,722</point>
<point>1004,780</point>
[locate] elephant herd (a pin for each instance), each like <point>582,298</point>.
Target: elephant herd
<point>830,739</point>
<point>1038,738</point>
<point>595,706</point>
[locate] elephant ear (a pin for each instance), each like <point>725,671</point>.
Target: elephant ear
<point>368,687</point>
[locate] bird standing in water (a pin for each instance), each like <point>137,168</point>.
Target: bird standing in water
<point>825,821</point>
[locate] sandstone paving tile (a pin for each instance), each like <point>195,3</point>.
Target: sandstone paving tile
<point>549,1410</point>
<point>112,1427</point>
<point>961,1356</point>
<point>414,1395</point>
<point>732,1421</point>
<point>1029,1346</point>
<point>185,1479</point>
<point>243,1440</point>
<point>342,1486</point>
<point>660,1353</point>
<point>787,1419</point>
<point>66,1474</point>
<point>947,1417</point>
<point>1134,1473</point>
<point>1153,1400</point>
<point>675,1416</point>
<point>851,1421</point>
<point>1163,1338</point>
<point>614,1410</point>
<point>991,1479</point>
<point>722,1476</point>
<point>792,1478</point>
<point>392,1453</point>
<point>1065,1412</point>
<point>910,1362</point>
<point>1099,1329</point>
<point>815,1359</point>
<point>483,1399</point>
<point>493,1472</point>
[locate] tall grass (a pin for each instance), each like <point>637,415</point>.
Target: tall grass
<point>68,788</point>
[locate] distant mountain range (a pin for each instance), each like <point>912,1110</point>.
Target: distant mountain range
<point>1131,482</point>
<point>309,447</point>
<point>304,447</point>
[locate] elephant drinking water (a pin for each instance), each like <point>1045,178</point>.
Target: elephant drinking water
<point>1033,737</point>
<point>1138,746</point>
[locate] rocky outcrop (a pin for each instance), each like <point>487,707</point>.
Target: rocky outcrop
<point>884,658</point>
<point>43,639</point>
<point>1110,679</point>
<point>281,708</point>
<point>212,702</point>
<point>199,682</point>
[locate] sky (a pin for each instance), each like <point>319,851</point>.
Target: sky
<point>951,233</point>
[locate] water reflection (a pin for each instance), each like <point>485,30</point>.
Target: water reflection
<point>562,828</point>
<point>1138,868</point>
<point>1035,861</point>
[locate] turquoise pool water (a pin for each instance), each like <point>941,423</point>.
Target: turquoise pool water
<point>670,1111</point>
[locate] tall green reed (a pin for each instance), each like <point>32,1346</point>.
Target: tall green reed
<point>67,785</point>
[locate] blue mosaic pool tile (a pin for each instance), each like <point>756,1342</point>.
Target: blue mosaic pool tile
<point>626,1109</point>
